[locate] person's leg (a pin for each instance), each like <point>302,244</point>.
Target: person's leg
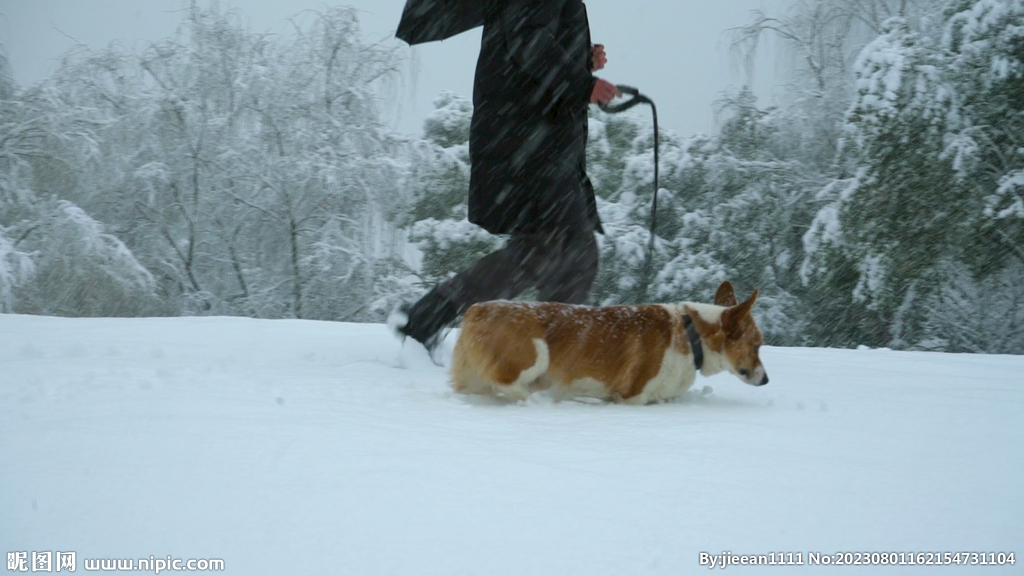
<point>502,274</point>
<point>572,273</point>
<point>499,275</point>
<point>558,255</point>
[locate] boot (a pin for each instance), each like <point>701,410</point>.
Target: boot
<point>425,320</point>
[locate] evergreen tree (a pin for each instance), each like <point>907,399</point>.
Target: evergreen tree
<point>439,225</point>
<point>932,142</point>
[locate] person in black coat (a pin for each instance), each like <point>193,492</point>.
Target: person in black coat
<point>527,147</point>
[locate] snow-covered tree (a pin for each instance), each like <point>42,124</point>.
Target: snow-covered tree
<point>250,173</point>
<point>54,257</point>
<point>933,141</point>
<point>438,221</point>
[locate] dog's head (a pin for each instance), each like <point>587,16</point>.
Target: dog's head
<point>735,336</point>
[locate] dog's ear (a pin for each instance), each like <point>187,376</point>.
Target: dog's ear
<point>709,332</point>
<point>733,316</point>
<point>725,296</point>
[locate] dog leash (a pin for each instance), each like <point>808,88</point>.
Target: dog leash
<point>638,98</point>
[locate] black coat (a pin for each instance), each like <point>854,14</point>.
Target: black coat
<point>528,136</point>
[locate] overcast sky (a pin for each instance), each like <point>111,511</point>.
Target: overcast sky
<point>676,51</point>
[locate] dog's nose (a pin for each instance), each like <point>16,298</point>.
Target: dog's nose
<point>764,380</point>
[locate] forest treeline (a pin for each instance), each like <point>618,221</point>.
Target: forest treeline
<point>878,202</point>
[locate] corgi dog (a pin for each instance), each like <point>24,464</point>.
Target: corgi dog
<point>631,354</point>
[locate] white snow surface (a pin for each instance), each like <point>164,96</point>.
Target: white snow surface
<point>296,447</point>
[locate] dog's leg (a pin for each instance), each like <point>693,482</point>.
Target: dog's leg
<point>513,379</point>
<point>511,392</point>
<point>466,376</point>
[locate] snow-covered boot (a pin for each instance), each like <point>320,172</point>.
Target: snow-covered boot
<point>425,321</point>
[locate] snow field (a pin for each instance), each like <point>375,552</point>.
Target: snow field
<point>295,447</point>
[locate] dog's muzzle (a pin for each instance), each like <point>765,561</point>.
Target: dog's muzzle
<point>759,377</point>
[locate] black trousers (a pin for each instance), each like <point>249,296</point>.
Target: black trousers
<point>562,264</point>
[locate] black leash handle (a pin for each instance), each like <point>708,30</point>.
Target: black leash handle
<point>638,98</point>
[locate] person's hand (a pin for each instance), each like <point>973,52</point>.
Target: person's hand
<point>604,92</point>
<point>598,58</point>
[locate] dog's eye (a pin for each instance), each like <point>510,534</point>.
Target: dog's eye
<point>744,372</point>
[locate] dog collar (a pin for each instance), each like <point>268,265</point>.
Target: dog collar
<point>698,350</point>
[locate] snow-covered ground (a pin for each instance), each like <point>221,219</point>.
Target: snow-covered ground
<point>292,447</point>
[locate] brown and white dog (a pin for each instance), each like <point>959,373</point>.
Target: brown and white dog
<point>633,354</point>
